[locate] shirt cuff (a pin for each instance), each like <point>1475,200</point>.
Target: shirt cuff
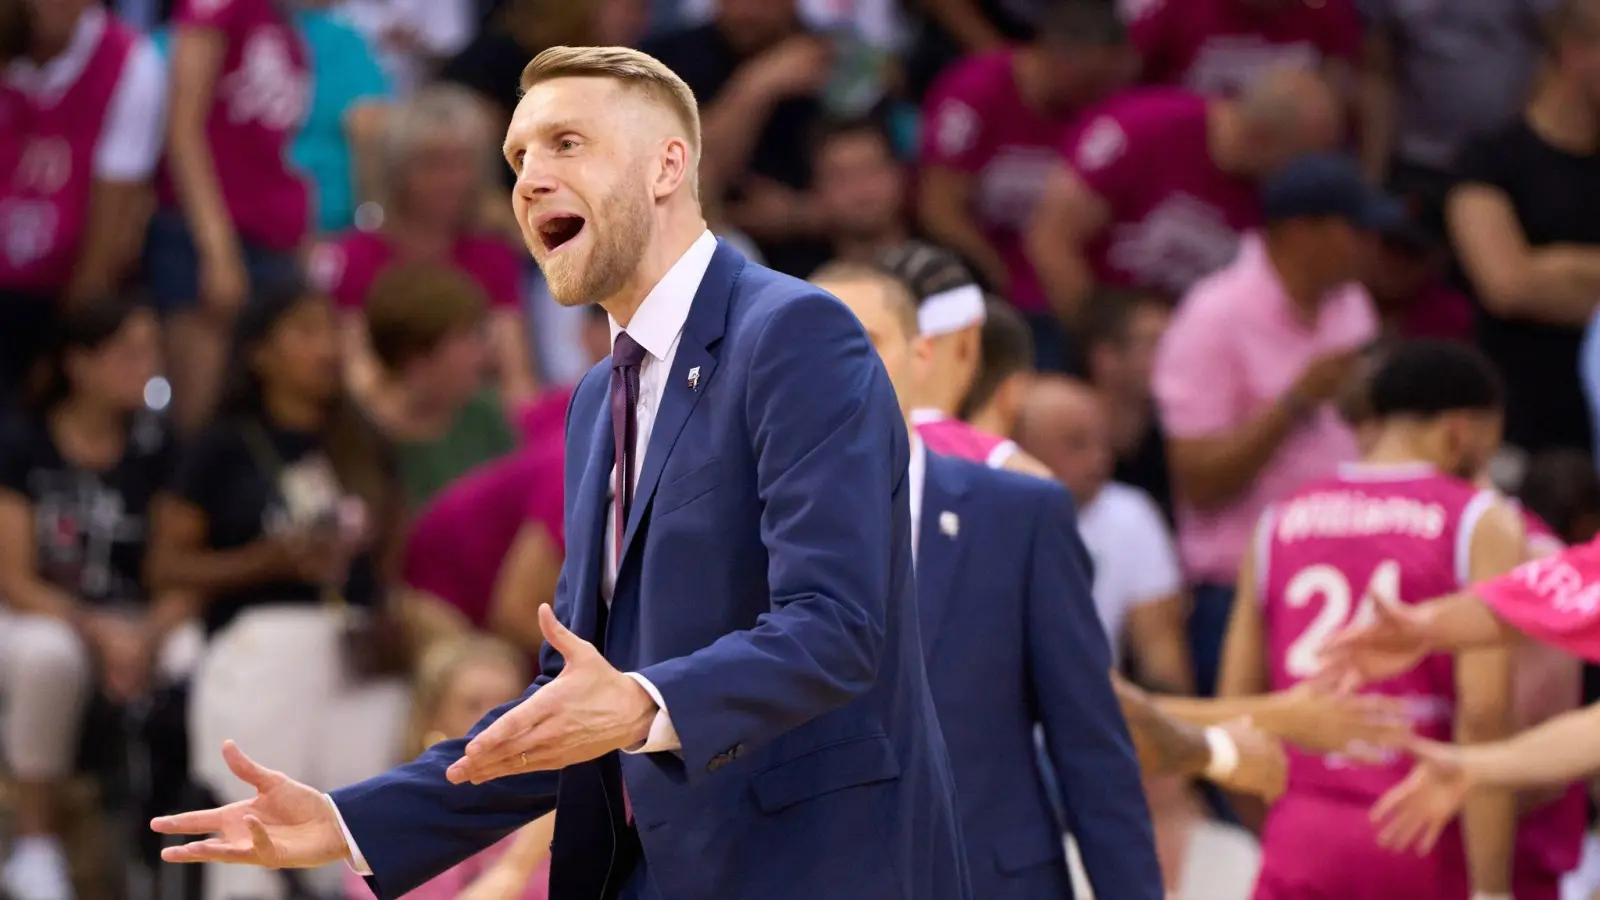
<point>663,737</point>
<point>356,861</point>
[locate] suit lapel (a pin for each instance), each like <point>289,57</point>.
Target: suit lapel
<point>708,319</point>
<point>939,552</point>
<point>586,546</point>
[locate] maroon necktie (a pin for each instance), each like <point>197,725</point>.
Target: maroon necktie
<point>626,355</point>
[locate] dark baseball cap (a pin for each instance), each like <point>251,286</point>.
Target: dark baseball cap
<point>1326,185</point>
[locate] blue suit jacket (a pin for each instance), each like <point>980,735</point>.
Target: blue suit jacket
<point>766,591</point>
<point>1012,640</point>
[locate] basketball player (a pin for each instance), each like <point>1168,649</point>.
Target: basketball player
<point>1404,524</point>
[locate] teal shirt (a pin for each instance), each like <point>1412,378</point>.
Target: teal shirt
<point>344,73</point>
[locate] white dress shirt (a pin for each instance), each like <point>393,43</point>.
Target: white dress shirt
<point>657,326</point>
<point>917,474</point>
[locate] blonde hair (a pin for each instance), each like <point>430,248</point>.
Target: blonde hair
<point>437,670</point>
<point>632,69</point>
<point>437,112</point>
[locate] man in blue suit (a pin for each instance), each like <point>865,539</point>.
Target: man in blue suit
<point>1012,640</point>
<point>733,701</point>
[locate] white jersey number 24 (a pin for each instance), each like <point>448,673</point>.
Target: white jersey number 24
<point>1339,601</point>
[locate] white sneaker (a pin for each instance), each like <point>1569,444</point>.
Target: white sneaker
<point>37,870</point>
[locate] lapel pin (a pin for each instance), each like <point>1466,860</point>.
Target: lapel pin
<point>949,524</point>
<point>694,379</point>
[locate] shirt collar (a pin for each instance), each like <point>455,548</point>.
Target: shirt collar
<point>660,318</point>
<point>59,72</point>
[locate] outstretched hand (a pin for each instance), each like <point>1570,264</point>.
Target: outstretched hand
<point>1318,720</point>
<point>1415,812</point>
<point>1263,768</point>
<point>587,711</point>
<point>286,825</point>
<point>1391,640</point>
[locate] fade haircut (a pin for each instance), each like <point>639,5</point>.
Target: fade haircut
<point>895,291</point>
<point>633,70</point>
<point>411,309</point>
<point>1424,379</point>
<point>1007,350</point>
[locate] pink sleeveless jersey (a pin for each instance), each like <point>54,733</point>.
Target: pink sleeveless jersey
<point>346,267</point>
<point>258,103</point>
<point>1400,532</point>
<point>1174,216</point>
<point>47,152</point>
<point>953,437</point>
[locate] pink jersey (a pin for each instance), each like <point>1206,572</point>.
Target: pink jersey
<point>1398,532</point>
<point>346,266</point>
<point>1174,216</point>
<point>258,102</point>
<point>1222,46</point>
<point>953,437</point>
<point>47,152</point>
<point>1554,600</point>
<point>976,123</point>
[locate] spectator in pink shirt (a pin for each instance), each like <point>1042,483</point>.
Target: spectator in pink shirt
<point>1157,184</point>
<point>438,150</point>
<point>1245,372</point>
<point>1223,46</point>
<point>457,683</point>
<point>234,214</point>
<point>993,123</point>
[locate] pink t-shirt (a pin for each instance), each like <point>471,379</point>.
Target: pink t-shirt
<point>47,152</point>
<point>1399,532</point>
<point>1222,46</point>
<point>1234,347</point>
<point>975,122</point>
<point>451,883</point>
<point>1174,216</point>
<point>544,418</point>
<point>953,437</point>
<point>460,539</point>
<point>258,105</point>
<point>346,266</point>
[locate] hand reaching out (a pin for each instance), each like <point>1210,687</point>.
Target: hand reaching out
<point>1263,767</point>
<point>286,825</point>
<point>1322,721</point>
<point>1415,812</point>
<point>1392,641</point>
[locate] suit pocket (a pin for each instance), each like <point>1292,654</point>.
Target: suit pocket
<point>1023,849</point>
<point>847,764</point>
<point>688,487</point>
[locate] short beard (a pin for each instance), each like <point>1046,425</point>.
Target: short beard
<point>621,226</point>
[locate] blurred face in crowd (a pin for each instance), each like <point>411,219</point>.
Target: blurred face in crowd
<point>1289,112</point>
<point>116,372</point>
<point>439,182</point>
<point>1578,58</point>
<point>590,157</point>
<point>620,23</point>
<point>53,21</point>
<point>453,372</point>
<point>858,185</point>
<point>1122,368</point>
<point>475,687</point>
<point>754,25</point>
<point>300,355</point>
<point>1398,273</point>
<point>1327,251</point>
<point>1064,426</point>
<point>1079,74</point>
<point>883,306</point>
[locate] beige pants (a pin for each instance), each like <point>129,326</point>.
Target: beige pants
<point>274,681</point>
<point>46,676</point>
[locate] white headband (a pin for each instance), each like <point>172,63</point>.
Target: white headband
<point>950,311</point>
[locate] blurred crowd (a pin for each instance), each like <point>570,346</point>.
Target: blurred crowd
<point>284,394</point>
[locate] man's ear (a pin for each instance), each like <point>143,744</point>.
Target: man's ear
<point>677,167</point>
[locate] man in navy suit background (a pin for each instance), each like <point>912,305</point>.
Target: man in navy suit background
<point>1011,640</point>
<point>733,701</point>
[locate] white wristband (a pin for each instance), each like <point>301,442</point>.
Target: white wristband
<point>1224,754</point>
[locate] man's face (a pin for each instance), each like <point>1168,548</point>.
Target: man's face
<point>583,195</point>
<point>1343,251</point>
<point>454,371</point>
<point>859,185</point>
<point>757,23</point>
<point>904,355</point>
<point>1123,369</point>
<point>1072,438</point>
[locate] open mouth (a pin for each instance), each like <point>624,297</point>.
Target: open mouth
<point>557,231</point>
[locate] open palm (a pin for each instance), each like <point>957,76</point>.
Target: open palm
<point>287,825</point>
<point>1391,642</point>
<point>1415,812</point>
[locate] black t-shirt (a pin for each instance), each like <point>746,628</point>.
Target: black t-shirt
<point>706,62</point>
<point>244,500</point>
<point>90,527</point>
<point>1146,468</point>
<point>1555,195</point>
